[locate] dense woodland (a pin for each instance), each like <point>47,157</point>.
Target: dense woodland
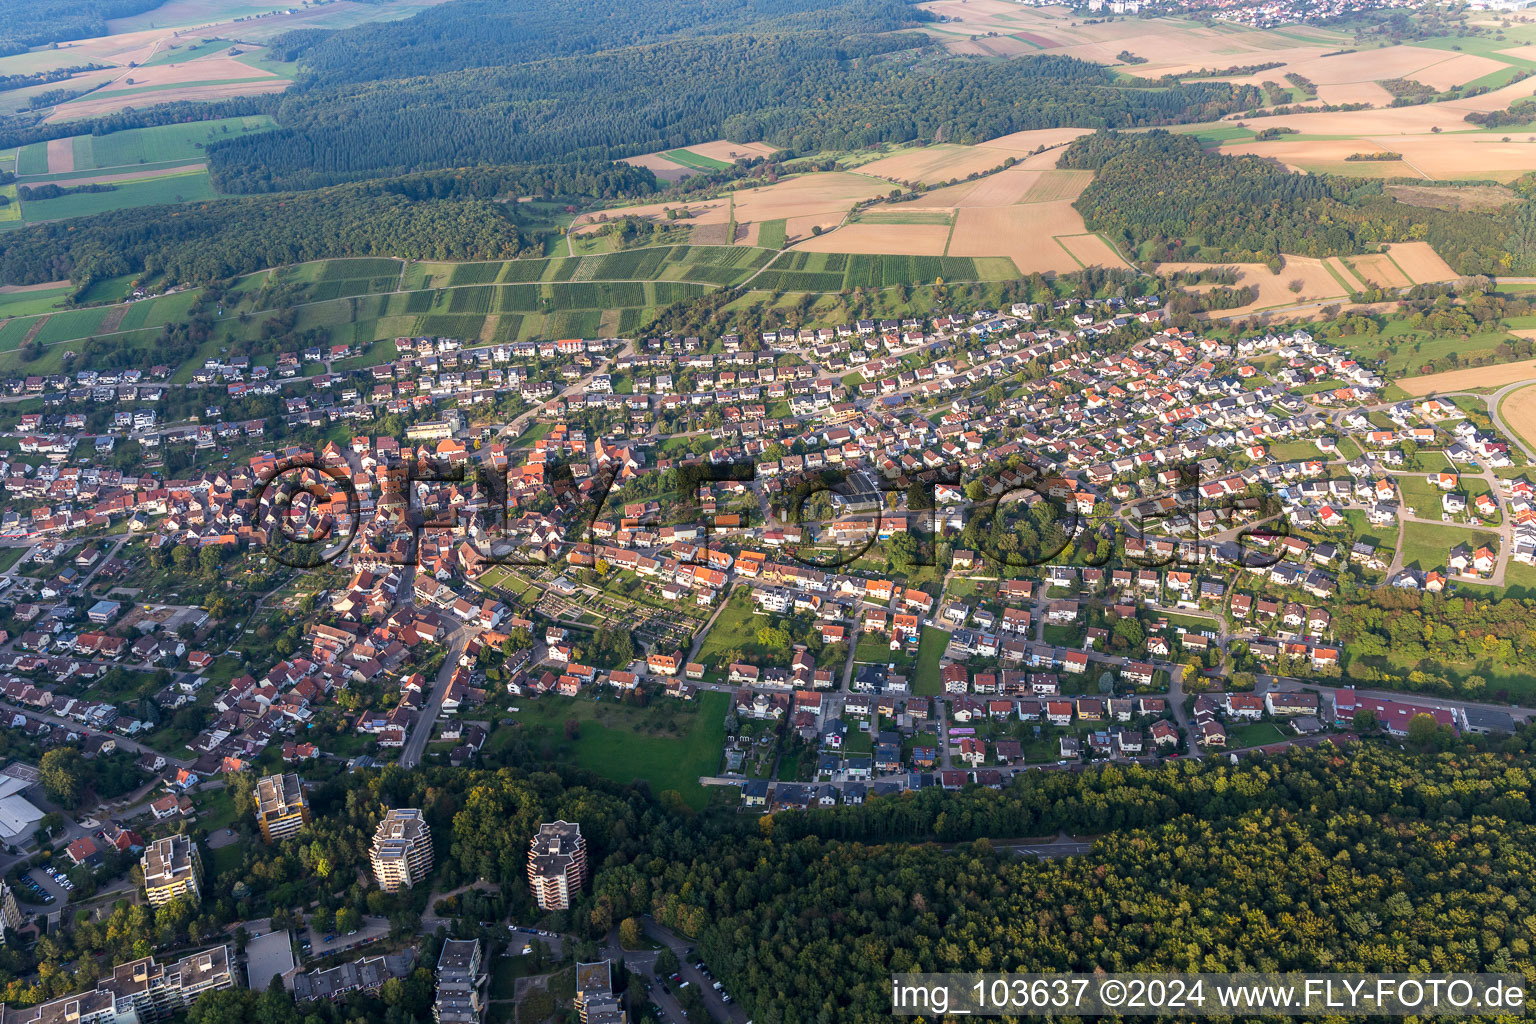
<point>1163,196</point>
<point>475,82</point>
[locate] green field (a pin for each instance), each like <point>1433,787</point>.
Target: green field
<point>173,188</point>
<point>29,302</point>
<point>161,144</point>
<point>694,161</point>
<point>772,234</point>
<point>668,744</point>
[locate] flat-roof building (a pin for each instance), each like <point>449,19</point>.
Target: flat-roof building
<point>281,809</point>
<point>172,868</point>
<point>557,864</point>
<point>460,983</point>
<point>402,849</point>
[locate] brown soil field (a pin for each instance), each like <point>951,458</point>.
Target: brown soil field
<point>97,104</point>
<point>1317,284</point>
<point>934,163</point>
<point>1091,250</point>
<point>1018,232</point>
<point>659,165</point>
<point>796,228</point>
<point>61,155</point>
<point>1477,377</point>
<point>746,234</point>
<point>732,151</point>
<point>710,234</point>
<point>1420,262</point>
<point>1440,197</point>
<point>890,239</point>
<point>1378,269</point>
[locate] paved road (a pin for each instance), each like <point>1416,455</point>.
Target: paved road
<point>421,730</point>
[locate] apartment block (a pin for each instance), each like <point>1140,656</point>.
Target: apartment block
<point>461,982</point>
<point>141,991</point>
<point>281,809</point>
<point>557,864</point>
<point>402,849</point>
<point>172,868</point>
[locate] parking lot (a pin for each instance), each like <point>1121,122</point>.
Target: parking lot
<point>43,884</point>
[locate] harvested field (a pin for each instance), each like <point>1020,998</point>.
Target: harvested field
<point>1352,92</point>
<point>1474,377</point>
<point>1330,155</point>
<point>107,178</point>
<point>61,156</point>
<point>1352,278</point>
<point>1018,232</point>
<point>1091,251</point>
<point>713,211</point>
<point>1053,186</point>
<point>1412,120</point>
<point>882,239</point>
<point>206,69</point>
<point>1441,197</point>
<point>1001,189</point>
<point>98,104</point>
<point>659,165</point>
<point>1463,67</point>
<point>730,152</point>
<point>806,194</point>
<point>1518,410</point>
<point>935,163</point>
<point>1024,143</point>
<point>1317,283</point>
<point>1478,157</point>
<point>1379,270</point>
<point>747,234</point>
<point>1420,262</point>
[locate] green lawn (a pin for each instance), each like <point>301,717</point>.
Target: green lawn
<point>1254,734</point>
<point>1428,545</point>
<point>926,681</point>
